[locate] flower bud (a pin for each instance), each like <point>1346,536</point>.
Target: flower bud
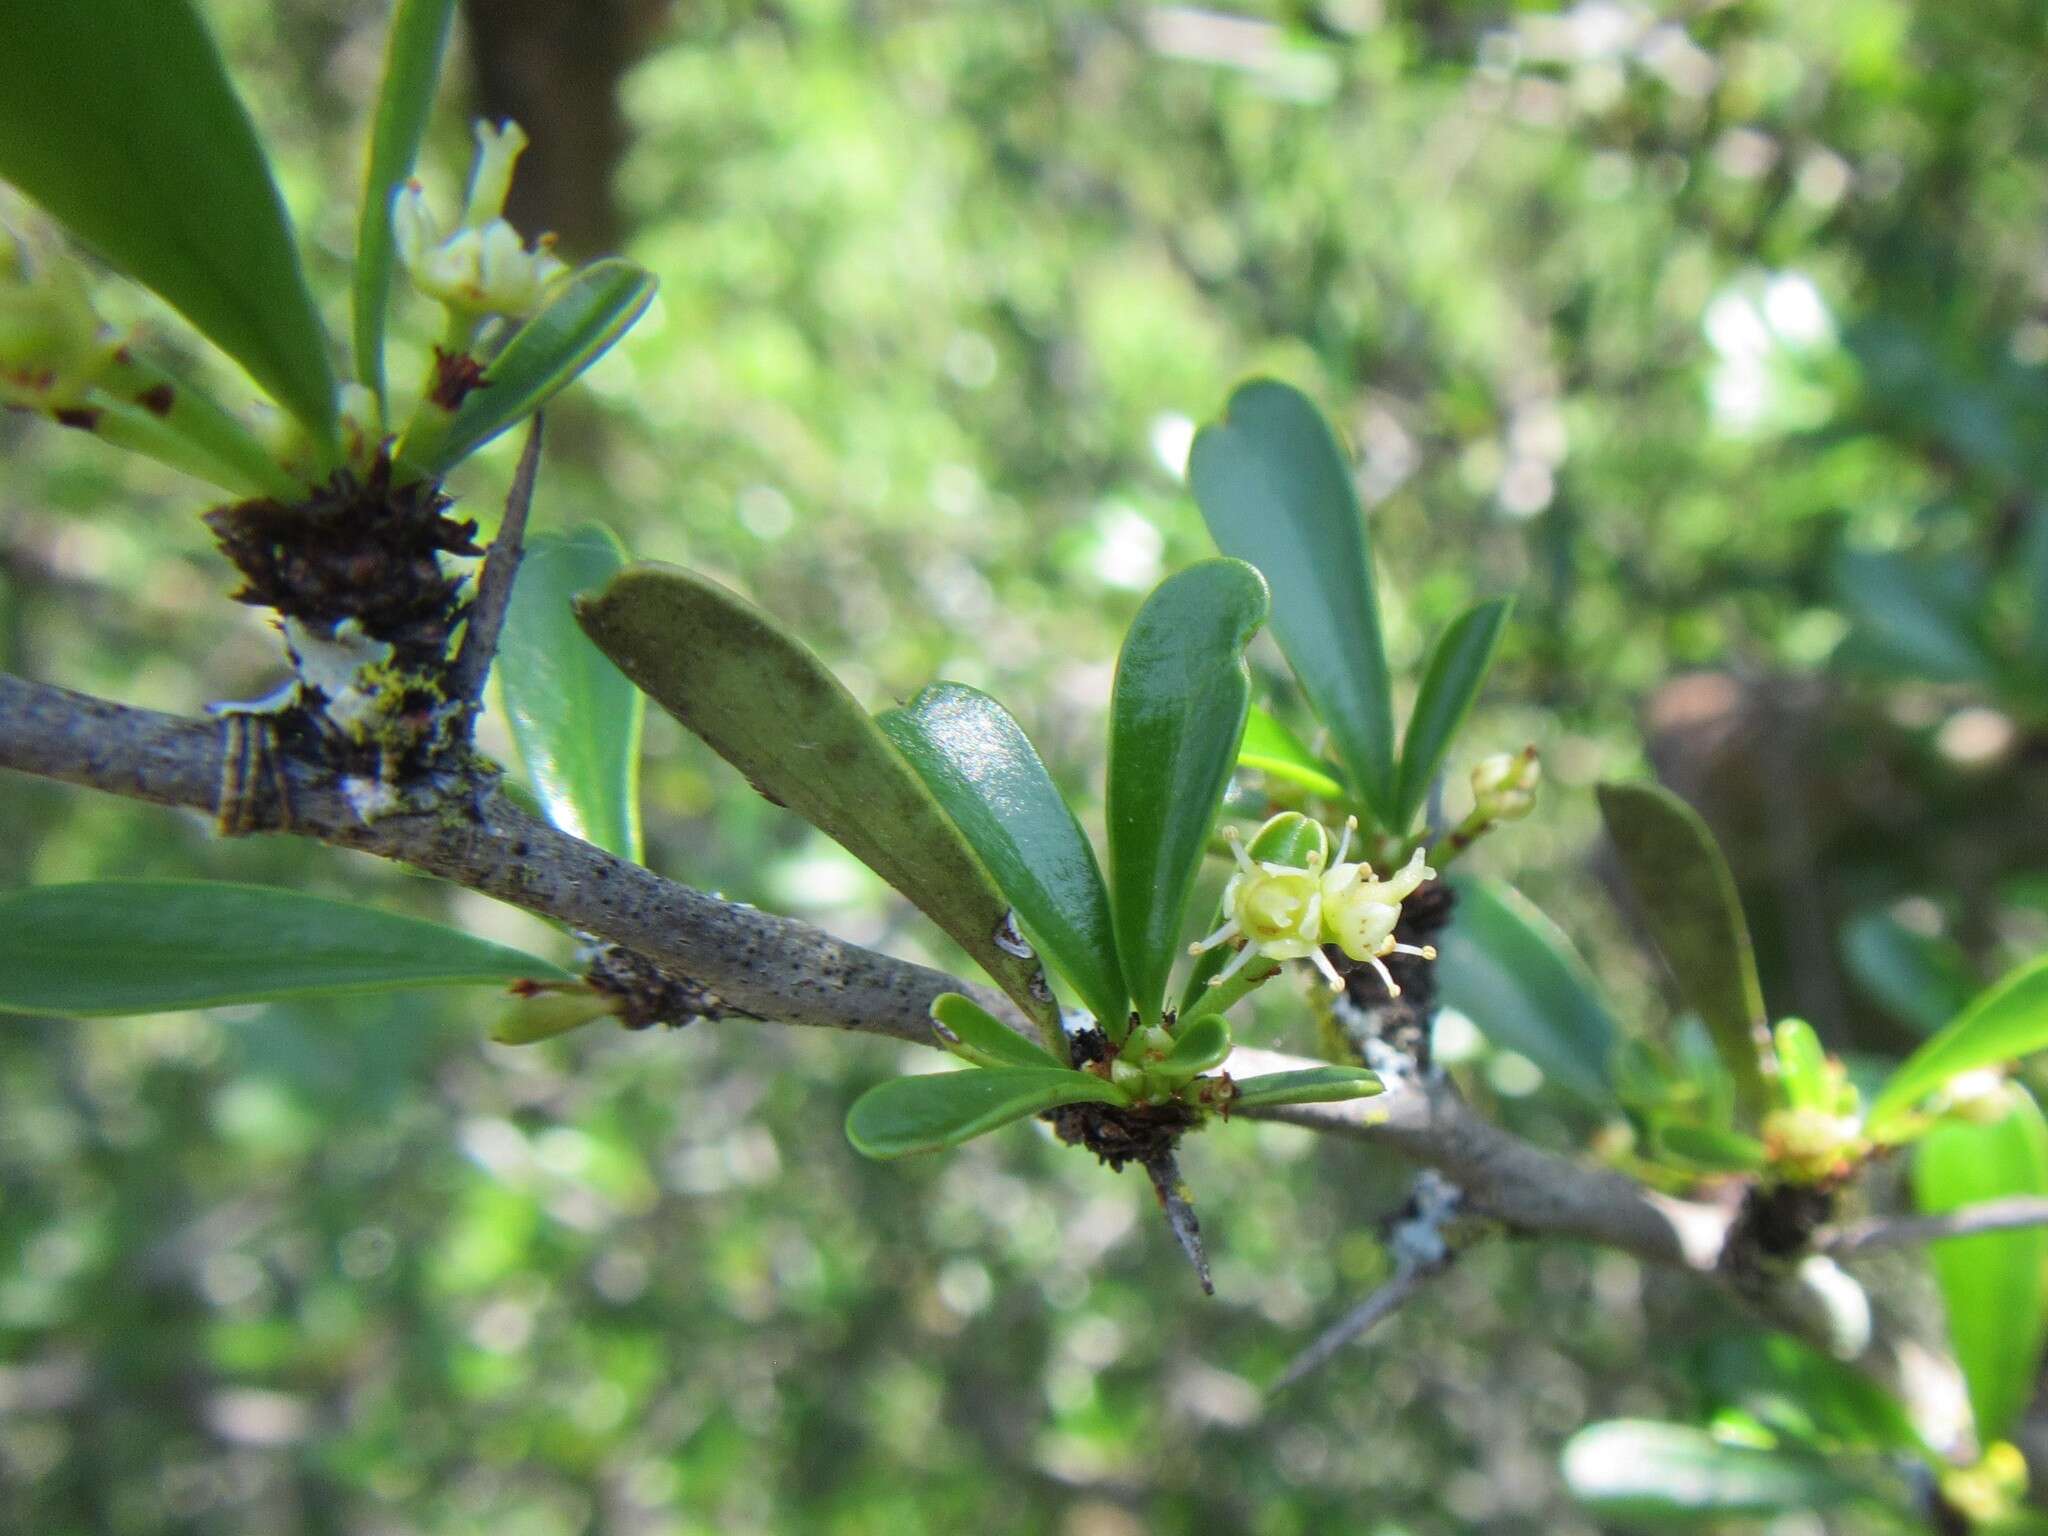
<point>482,267</point>
<point>1504,785</point>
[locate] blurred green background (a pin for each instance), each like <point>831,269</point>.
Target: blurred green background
<point>1717,332</point>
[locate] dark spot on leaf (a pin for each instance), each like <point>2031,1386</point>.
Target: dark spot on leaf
<point>157,399</point>
<point>83,417</point>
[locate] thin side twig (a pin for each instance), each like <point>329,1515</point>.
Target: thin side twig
<point>1908,1231</point>
<point>472,666</point>
<point>1172,1191</point>
<point>1369,1313</point>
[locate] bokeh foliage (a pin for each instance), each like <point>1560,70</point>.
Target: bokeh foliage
<point>1717,336</point>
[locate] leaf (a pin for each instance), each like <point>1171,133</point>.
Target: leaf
<point>982,768</point>
<point>1991,1284</point>
<point>112,947</point>
<point>1707,1147</point>
<point>1803,1078</point>
<point>1271,748</point>
<point>2007,1021</point>
<point>1176,714</point>
<point>412,69</point>
<point>1514,974</point>
<point>1688,903</point>
<point>118,117</point>
<point>1199,1047</point>
<point>1922,980</point>
<point>1633,1469</point>
<point>1275,490</point>
<point>980,1037</point>
<point>1310,1085</point>
<point>1794,1389</point>
<point>1458,664</point>
<point>924,1114</point>
<point>1917,616</point>
<point>583,321</point>
<point>772,709</point>
<point>575,717</point>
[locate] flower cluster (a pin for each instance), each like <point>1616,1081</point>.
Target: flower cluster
<point>1288,906</point>
<point>484,267</point>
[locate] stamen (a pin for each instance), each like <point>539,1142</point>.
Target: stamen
<point>1227,931</point>
<point>1244,860</point>
<point>1420,952</point>
<point>1244,958</point>
<point>1344,842</point>
<point>1329,971</point>
<point>1387,976</point>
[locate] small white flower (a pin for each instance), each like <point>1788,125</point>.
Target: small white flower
<point>482,267</point>
<point>1360,913</point>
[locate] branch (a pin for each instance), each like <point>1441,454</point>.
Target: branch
<point>779,968</point>
<point>1367,1315</point>
<point>2004,1215</point>
<point>494,584</point>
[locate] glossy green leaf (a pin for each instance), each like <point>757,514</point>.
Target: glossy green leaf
<point>1275,489</point>
<point>2007,1021</point>
<point>412,68</point>
<point>575,717</point>
<point>1922,980</point>
<point>1673,1474</point>
<point>1176,715</point>
<point>1514,974</point>
<point>118,117</point>
<point>982,1038</point>
<point>1803,1080</point>
<point>153,946</point>
<point>1991,1284</point>
<point>983,769</point>
<point>924,1114</point>
<point>1458,664</point>
<point>1916,616</point>
<point>1687,899</point>
<point>1795,1390</point>
<point>585,319</point>
<point>772,709</point>
<point>1311,1085</point>
<point>1709,1147</point>
<point>1200,1046</point>
<point>1271,748</point>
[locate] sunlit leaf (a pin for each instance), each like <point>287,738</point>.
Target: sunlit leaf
<point>980,1037</point>
<point>1514,974</point>
<point>1275,490</point>
<point>924,1114</point>
<point>1803,1078</point>
<point>1991,1283</point>
<point>772,709</point>
<point>152,946</point>
<point>1198,1047</point>
<point>1795,1390</point>
<point>1687,898</point>
<point>1310,1085</point>
<point>1271,748</point>
<point>985,772</point>
<point>2007,1021</point>
<point>119,118</point>
<point>584,320</point>
<point>1673,1474</point>
<point>1458,664</point>
<point>1176,715</point>
<point>1709,1147</point>
<point>412,68</point>
<point>575,716</point>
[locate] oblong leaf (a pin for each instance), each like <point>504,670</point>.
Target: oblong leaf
<point>1514,974</point>
<point>2007,1021</point>
<point>924,1114</point>
<point>1687,898</point>
<point>1311,1085</point>
<point>982,1038</point>
<point>771,708</point>
<point>1176,715</point>
<point>1803,1079</point>
<point>977,760</point>
<point>118,117</point>
<point>1634,1469</point>
<point>1458,664</point>
<point>412,68</point>
<point>1709,1147</point>
<point>1200,1046</point>
<point>583,321</point>
<point>575,717</point>
<point>1271,748</point>
<point>112,947</point>
<point>1991,1284</point>
<point>1275,490</point>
